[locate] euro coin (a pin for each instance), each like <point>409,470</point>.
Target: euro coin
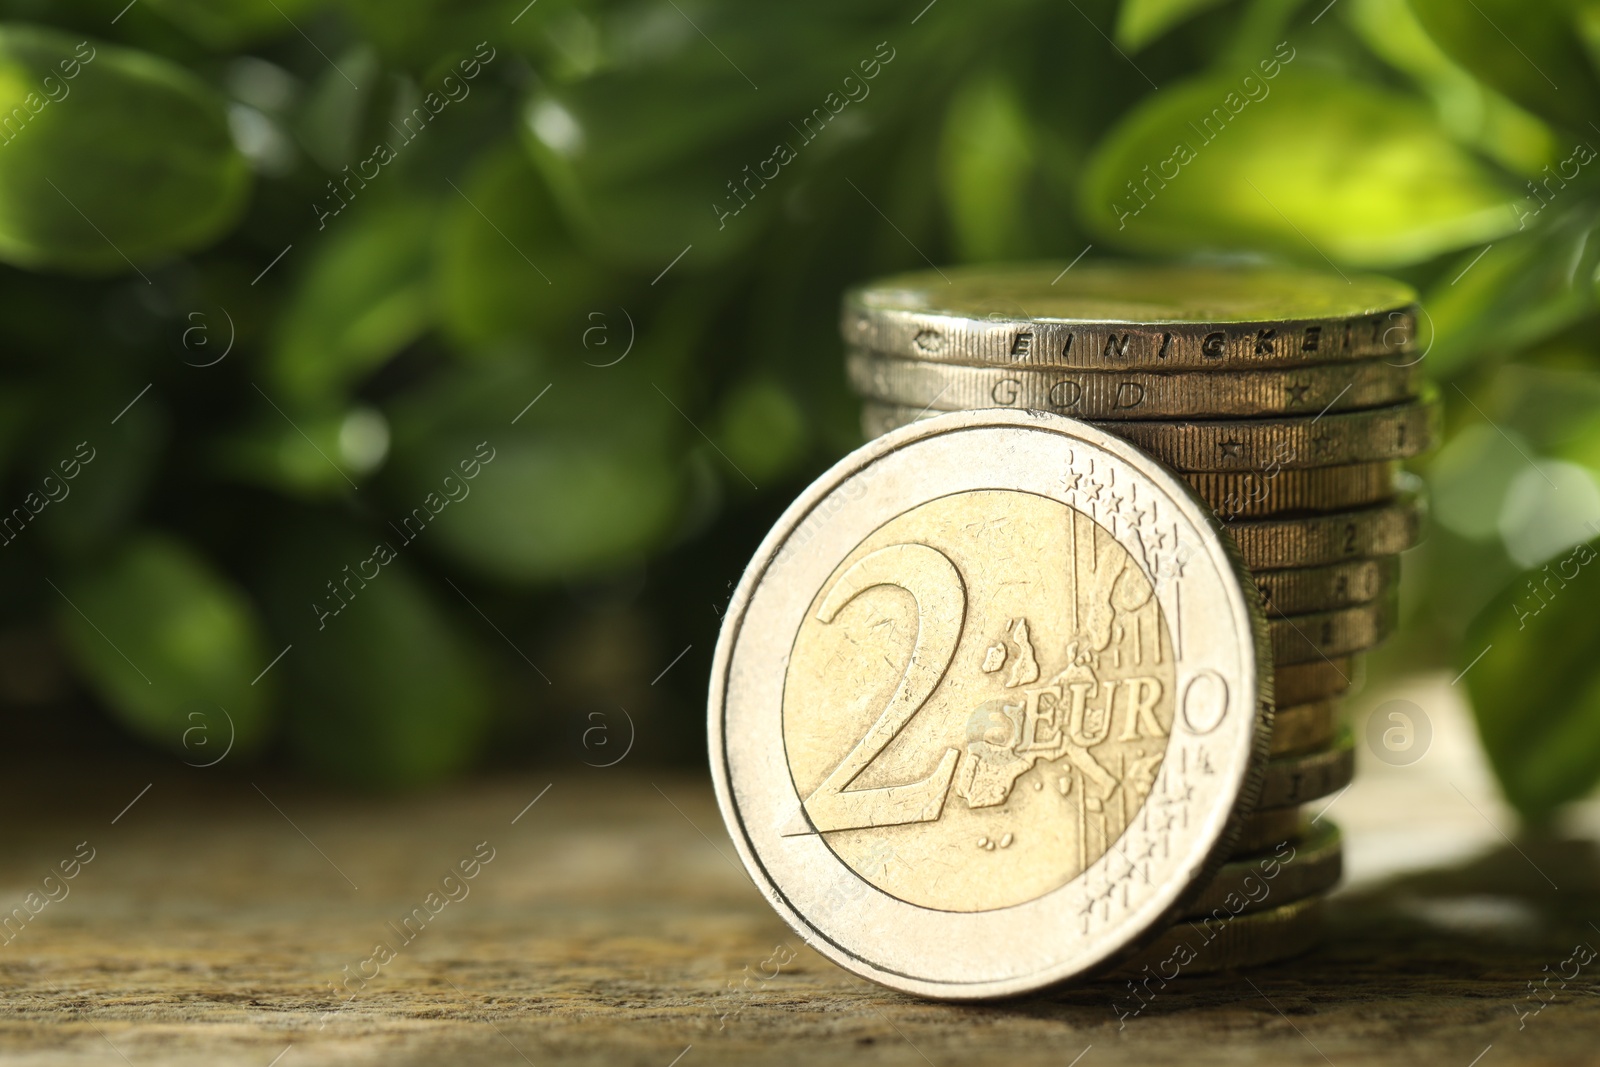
<point>963,689</point>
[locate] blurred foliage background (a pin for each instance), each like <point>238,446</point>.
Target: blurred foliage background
<point>450,354</point>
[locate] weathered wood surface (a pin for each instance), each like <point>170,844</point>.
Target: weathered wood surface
<point>612,927</point>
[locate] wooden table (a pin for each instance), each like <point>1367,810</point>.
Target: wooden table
<point>218,917</point>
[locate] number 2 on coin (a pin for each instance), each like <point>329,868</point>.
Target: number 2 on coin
<point>941,602</point>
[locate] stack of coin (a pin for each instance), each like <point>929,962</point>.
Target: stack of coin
<point>1287,400</point>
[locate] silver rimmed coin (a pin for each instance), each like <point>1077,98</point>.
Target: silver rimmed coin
<point>1397,432</point>
<point>1086,394</point>
<point>966,688</point>
<point>1119,316</point>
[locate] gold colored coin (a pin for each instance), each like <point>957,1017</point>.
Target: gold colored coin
<point>1122,316</point>
<point>1212,944</point>
<point>1318,540</point>
<point>1376,434</point>
<point>1253,494</point>
<point>1306,638</point>
<point>1294,780</point>
<point>963,681</point>
<point>1305,683</point>
<point>1263,831</point>
<point>1304,590</point>
<point>1293,871</point>
<point>1135,394</point>
<point>1302,728</point>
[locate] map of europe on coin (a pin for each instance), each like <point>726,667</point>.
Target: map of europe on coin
<point>1053,714</point>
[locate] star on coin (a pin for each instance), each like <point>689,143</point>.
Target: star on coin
<point>1231,448</point>
<point>1297,393</point>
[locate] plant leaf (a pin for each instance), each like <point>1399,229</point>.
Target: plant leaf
<point>1525,288</point>
<point>367,294</point>
<point>1468,108</point>
<point>1316,167</point>
<point>166,641</point>
<point>380,686</point>
<point>519,275</point>
<point>1533,53</point>
<point>1141,21</point>
<point>679,146</point>
<point>569,490</point>
<point>127,161</point>
<point>1536,691</point>
<point>985,164</point>
<point>228,24</point>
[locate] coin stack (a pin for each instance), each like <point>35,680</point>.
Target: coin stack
<point>1287,400</point>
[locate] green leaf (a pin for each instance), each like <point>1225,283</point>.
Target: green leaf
<point>1588,17</point>
<point>329,126</point>
<point>166,641</point>
<point>762,429</point>
<point>1533,53</point>
<point>322,453</point>
<point>986,160</point>
<point>108,156</point>
<point>113,467</point>
<point>1470,110</point>
<point>553,507</point>
<point>416,33</point>
<point>1536,691</point>
<point>644,219</point>
<point>225,25</point>
<point>381,687</point>
<point>367,294</point>
<point>687,144</point>
<point>1525,288</point>
<point>1314,166</point>
<point>507,269</point>
<point>569,491</point>
<point>1467,481</point>
<point>1141,21</point>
